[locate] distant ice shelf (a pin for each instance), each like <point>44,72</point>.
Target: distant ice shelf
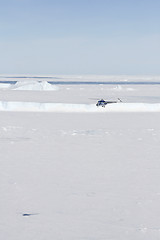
<point>28,86</point>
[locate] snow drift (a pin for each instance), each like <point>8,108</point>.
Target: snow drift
<point>66,107</point>
<point>5,86</point>
<point>34,86</point>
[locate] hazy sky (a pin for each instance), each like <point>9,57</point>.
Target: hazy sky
<point>80,37</point>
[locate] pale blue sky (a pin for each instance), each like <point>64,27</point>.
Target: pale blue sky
<point>80,37</point>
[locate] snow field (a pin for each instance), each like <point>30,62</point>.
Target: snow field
<point>93,177</point>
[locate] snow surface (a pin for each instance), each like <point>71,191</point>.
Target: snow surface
<point>80,175</point>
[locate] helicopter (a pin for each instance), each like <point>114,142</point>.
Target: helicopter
<point>103,103</point>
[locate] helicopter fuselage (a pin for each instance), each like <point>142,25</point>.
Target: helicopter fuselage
<point>103,103</point>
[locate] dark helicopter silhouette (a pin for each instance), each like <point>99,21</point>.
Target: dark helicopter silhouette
<point>103,103</point>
